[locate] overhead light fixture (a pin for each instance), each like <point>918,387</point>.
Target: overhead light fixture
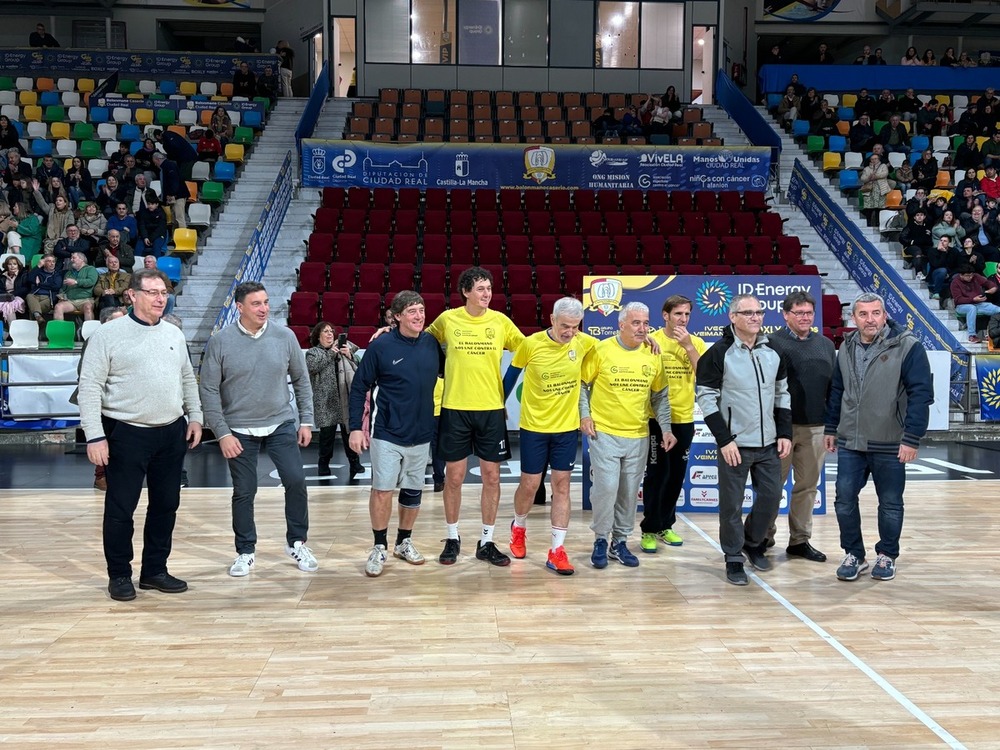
<point>701,42</point>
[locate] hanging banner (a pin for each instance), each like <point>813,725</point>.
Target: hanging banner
<point>501,165</point>
<point>114,100</point>
<point>192,65</point>
<point>988,378</point>
<point>604,297</point>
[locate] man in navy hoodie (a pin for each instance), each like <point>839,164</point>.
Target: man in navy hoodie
<point>401,369</point>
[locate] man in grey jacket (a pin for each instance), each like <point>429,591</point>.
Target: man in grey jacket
<point>244,391</point>
<point>742,390</point>
<point>877,413</point>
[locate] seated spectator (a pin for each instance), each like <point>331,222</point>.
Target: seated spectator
<point>22,191</point>
<point>53,190</point>
<point>916,241</point>
<point>93,225</point>
<point>77,291</point>
<point>797,85</point>
<point>117,248</point>
<point>41,38</point>
<point>866,57</point>
<point>879,150</point>
<point>971,254</point>
<point>209,147</point>
<point>8,226</point>
<point>949,226</point>
<point>60,216</point>
<point>910,57</point>
<point>981,227</point>
<point>222,124</point>
<point>809,104</point>
<point>968,155</point>
<point>823,56</point>
<point>903,175</point>
<point>938,268</point>
<point>948,59</point>
<point>969,290</point>
<point>109,194</point>
<point>919,202</point>
<point>894,137</point>
<point>788,107</point>
<point>135,198</point>
<point>659,120</point>
<point>48,169</point>
<point>109,291</point>
<point>130,169</point>
<point>986,121</point>
<point>9,138</point>
<point>152,223</point>
<point>16,168</point>
<point>631,124</point>
<point>886,105</point>
<point>672,103</point>
<point>862,135</point>
<point>874,185</point>
<point>44,283</point>
<point>929,120</point>
<point>907,106</point>
<point>865,104</point>
<point>991,150</point>
<point>117,160</point>
<point>928,59</point>
<point>989,96</point>
<point>244,82</point>
<point>175,192</point>
<point>879,60</point>
<point>606,124</point>
<point>79,182</point>
<point>824,120</point>
<point>967,124</point>
<point>990,184</point>
<point>70,244</point>
<point>964,61</point>
<point>144,161</point>
<point>925,171</point>
<point>965,199</point>
<point>29,231</point>
<point>124,223</point>
<point>773,57</point>
<point>13,288</point>
<point>267,85</point>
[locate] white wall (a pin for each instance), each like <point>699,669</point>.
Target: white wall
<point>288,20</point>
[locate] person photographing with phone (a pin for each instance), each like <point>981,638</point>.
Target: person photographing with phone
<point>332,362</point>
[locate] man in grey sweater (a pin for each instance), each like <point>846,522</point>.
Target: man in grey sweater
<point>139,432</point>
<point>244,376</point>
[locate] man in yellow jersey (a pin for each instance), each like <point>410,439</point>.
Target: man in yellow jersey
<point>622,380</point>
<point>472,412</point>
<point>550,422</point>
<point>679,351</point>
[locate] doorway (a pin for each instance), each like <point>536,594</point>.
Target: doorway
<point>344,65</point>
<point>703,65</point>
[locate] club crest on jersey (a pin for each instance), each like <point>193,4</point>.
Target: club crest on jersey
<point>491,333</point>
<point>572,355</point>
<point>606,295</point>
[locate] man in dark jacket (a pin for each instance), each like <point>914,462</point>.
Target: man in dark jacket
<point>152,223</point>
<point>44,283</point>
<point>244,82</point>
<point>172,187</point>
<point>179,149</point>
<point>742,390</point>
<point>894,136</point>
<point>877,414</point>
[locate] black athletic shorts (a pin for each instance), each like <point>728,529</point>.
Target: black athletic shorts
<point>480,433</point>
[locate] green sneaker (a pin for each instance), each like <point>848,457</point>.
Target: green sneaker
<point>669,536</point>
<point>648,543</point>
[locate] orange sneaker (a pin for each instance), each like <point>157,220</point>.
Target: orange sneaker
<point>559,562</point>
<point>518,546</point>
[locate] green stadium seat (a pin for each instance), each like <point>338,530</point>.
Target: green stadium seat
<point>90,150</point>
<point>6,83</point>
<point>816,144</point>
<point>243,136</point>
<point>61,334</point>
<point>126,86</point>
<point>166,117</point>
<point>83,131</point>
<point>55,113</point>
<point>212,192</point>
<point>263,100</point>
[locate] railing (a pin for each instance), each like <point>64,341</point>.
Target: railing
<point>261,243</point>
<point>310,115</point>
<point>750,121</point>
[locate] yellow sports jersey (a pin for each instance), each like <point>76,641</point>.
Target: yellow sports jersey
<point>622,380</point>
<point>550,396</point>
<point>680,374</point>
<point>473,348</point>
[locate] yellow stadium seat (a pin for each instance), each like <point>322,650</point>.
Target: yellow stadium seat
<point>938,193</point>
<point>188,88</point>
<point>234,152</point>
<point>135,95</point>
<point>59,130</point>
<point>27,98</point>
<point>980,174</point>
<point>980,140</point>
<point>218,98</point>
<point>943,99</point>
<point>850,100</point>
<point>44,84</point>
<point>185,241</point>
<point>31,113</point>
<point>831,161</point>
<point>85,85</point>
<point>906,126</point>
<point>143,116</point>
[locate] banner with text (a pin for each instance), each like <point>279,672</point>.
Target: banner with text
<point>113,101</point>
<point>604,297</point>
<point>193,65</point>
<point>868,269</point>
<point>495,165</point>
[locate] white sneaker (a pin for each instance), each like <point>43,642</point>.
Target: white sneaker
<point>241,566</point>
<point>303,556</point>
<point>406,551</point>
<point>376,561</point>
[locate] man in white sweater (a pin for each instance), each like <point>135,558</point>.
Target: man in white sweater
<point>136,387</point>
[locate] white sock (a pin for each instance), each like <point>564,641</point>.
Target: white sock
<point>521,521</point>
<point>453,531</point>
<point>487,534</point>
<point>558,537</point>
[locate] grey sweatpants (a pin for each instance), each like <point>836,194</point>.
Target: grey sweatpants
<point>617,465</point>
<point>764,468</point>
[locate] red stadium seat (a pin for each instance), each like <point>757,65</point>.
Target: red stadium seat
<point>744,224</point>
<point>320,247</point>
<point>435,248</point>
<point>406,221</point>
<point>599,250</point>
<point>404,248</point>
<point>543,250</point>
<point>658,200</point>
<point>571,249</point>
<point>359,197</point>
<point>719,224</point>
<point>490,248</point>
<point>707,249</point>
<point>746,269</point>
<point>327,220</point>
<point>367,308</point>
<point>653,249</point>
<point>681,200</point>
<point>681,250</point>
<point>436,199</point>
<point>384,198</point>
<point>377,248</point>
<point>690,269</point>
<point>312,277</point>
<point>400,277</point>
<point>805,270</point>
<point>730,201</point>
<point>626,249</point>
<point>336,307</point>
<point>463,251</point>
<point>301,335</point>
<point>668,223</point>
<point>517,250</point>
<point>342,276</point>
<point>303,309</point>
<point>833,311</point>
<point>524,309</point>
<point>436,221</point>
<point>789,250</point>
<point>486,199</point>
<point>534,200</point>
<point>434,305</point>
<point>560,200</point>
<point>354,220</point>
<point>520,279</point>
<point>574,278</point>
<point>460,199</point>
<point>334,197</point>
<point>718,269</point>
<point>433,279</point>
<point>590,222</point>
<point>770,225</point>
<point>371,278</point>
<point>348,249</point>
<point>754,201</point>
<point>513,222</point>
<point>409,198</point>
<point>487,222</point>
<point>584,200</point>
<point>641,223</point>
<point>761,250</point>
<point>548,279</point>
<point>563,223</point>
<point>705,201</point>
<point>460,221</point>
<point>633,201</point>
<point>360,336</point>
<point>734,250</point>
<point>616,223</point>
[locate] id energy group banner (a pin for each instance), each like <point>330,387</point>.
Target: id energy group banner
<point>604,297</point>
<point>502,165</point>
<point>195,65</point>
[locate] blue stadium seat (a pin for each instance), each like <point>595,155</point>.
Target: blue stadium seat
<point>846,113</point>
<point>130,132</point>
<point>837,143</point>
<point>99,114</point>
<point>168,88</point>
<point>135,147</point>
<point>800,128</point>
<point>773,100</point>
<point>849,180</point>
<point>915,155</point>
<point>49,99</point>
<point>252,120</point>
<point>225,171</point>
<point>19,127</point>
<point>920,143</point>
<point>40,147</point>
<point>199,98</point>
<point>171,267</point>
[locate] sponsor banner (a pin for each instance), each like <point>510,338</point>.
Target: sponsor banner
<point>813,11</point>
<point>604,297</point>
<point>175,104</point>
<point>478,28</point>
<point>867,268</point>
<point>773,79</point>
<point>497,165</point>
<point>988,378</point>
<point>194,65</point>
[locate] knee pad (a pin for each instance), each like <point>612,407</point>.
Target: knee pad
<point>410,498</point>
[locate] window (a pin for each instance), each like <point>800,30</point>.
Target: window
<point>479,32</point>
<point>617,41</point>
<point>526,33</point>
<point>432,39</point>
<point>663,35</point>
<point>387,31</point>
<point>92,35</point>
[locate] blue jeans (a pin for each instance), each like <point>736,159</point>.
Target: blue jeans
<point>973,309</point>
<point>889,473</point>
<point>283,449</point>
<point>158,247</point>
<point>937,279</point>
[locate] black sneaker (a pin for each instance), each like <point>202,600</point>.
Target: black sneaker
<point>450,553</point>
<point>491,554</point>
<point>735,574</point>
<point>163,582</point>
<point>757,559</point>
<point>184,478</point>
<point>121,589</point>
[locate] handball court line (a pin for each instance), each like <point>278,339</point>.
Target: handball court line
<point>913,709</point>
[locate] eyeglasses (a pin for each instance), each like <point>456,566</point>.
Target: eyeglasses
<point>801,313</point>
<point>154,293</point>
<point>751,313</point>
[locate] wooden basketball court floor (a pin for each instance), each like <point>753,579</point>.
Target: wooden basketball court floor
<point>664,656</point>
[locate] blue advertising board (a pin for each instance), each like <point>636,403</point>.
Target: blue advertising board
<point>604,297</point>
<point>494,165</point>
<point>869,270</point>
<point>188,65</point>
<point>175,104</point>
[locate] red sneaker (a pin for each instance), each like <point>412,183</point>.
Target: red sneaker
<point>559,562</point>
<point>517,541</point>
